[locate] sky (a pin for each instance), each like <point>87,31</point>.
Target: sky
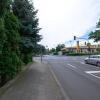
<point>60,20</point>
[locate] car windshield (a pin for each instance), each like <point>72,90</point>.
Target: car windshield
<point>95,56</point>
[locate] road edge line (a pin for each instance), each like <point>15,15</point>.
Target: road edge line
<point>58,83</point>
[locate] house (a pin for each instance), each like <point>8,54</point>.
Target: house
<point>82,49</point>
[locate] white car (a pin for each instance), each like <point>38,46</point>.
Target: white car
<point>93,59</point>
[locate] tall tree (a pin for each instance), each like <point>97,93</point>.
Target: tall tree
<point>9,43</point>
<point>52,50</point>
<point>29,29</point>
<point>59,47</point>
<point>96,34</point>
<point>3,6</point>
<point>3,37</point>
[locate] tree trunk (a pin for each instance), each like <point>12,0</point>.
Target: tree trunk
<point>3,80</point>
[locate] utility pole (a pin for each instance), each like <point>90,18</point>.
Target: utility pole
<point>71,46</point>
<point>89,49</point>
<point>78,47</point>
<point>41,54</point>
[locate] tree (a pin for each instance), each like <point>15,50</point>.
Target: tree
<point>59,47</point>
<point>3,37</point>
<point>3,5</point>
<point>29,29</point>
<point>9,42</point>
<point>40,49</point>
<point>52,50</point>
<point>18,36</point>
<point>96,34</point>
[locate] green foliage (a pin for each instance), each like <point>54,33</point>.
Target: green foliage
<point>18,36</point>
<point>76,54</point>
<point>52,50</point>
<point>12,27</point>
<point>59,47</point>
<point>2,34</point>
<point>27,58</point>
<point>13,38</point>
<point>4,6</point>
<point>29,29</point>
<point>40,49</point>
<point>80,54</point>
<point>55,53</point>
<point>95,35</point>
<point>10,62</point>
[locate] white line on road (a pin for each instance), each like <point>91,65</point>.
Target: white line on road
<point>71,65</point>
<point>95,76</point>
<point>59,84</point>
<point>82,62</point>
<point>92,73</point>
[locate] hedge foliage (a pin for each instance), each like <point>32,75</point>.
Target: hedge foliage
<point>18,36</point>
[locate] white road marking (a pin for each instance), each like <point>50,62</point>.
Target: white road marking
<point>95,76</point>
<point>59,84</point>
<point>82,62</point>
<point>71,65</point>
<point>92,73</point>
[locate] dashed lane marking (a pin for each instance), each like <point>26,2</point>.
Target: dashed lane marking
<point>82,62</point>
<point>71,66</point>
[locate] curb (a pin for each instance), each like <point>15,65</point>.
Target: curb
<point>11,82</point>
<point>58,83</point>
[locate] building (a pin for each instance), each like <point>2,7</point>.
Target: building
<point>82,49</point>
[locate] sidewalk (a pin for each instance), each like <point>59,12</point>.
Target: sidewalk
<point>37,83</point>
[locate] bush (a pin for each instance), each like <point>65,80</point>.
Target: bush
<point>77,54</point>
<point>55,53</point>
<point>10,63</point>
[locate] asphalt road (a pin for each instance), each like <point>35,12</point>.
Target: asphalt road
<point>79,81</point>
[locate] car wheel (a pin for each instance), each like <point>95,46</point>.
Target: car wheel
<point>86,61</point>
<point>98,64</point>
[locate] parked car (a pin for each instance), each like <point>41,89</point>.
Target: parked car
<point>93,59</point>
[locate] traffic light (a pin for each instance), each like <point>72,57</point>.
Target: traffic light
<point>89,49</point>
<point>74,37</point>
<point>88,45</point>
<point>78,47</point>
<point>85,43</point>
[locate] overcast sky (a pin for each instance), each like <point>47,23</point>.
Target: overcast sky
<point>60,20</point>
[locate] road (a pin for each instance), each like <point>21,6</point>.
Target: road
<point>79,81</point>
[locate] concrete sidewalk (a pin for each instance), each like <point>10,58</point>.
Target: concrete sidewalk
<point>37,83</point>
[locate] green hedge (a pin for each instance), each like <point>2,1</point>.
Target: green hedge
<point>77,54</point>
<point>80,54</point>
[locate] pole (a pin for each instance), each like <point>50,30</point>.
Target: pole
<point>89,49</point>
<point>78,47</point>
<point>71,46</point>
<point>41,54</point>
